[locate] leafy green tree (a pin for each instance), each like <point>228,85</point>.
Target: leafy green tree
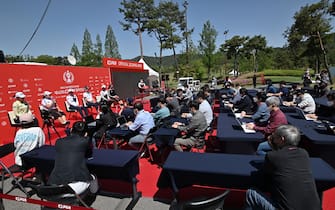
<point>233,48</point>
<point>306,37</point>
<point>111,45</point>
<point>165,25</point>
<point>88,57</point>
<point>252,47</point>
<point>136,14</point>
<point>207,45</point>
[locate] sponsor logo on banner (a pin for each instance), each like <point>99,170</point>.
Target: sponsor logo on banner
<point>68,77</point>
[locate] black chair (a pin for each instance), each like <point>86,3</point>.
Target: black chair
<point>64,194</point>
<point>145,145</point>
<point>8,172</point>
<point>68,109</point>
<point>49,122</point>
<point>214,203</point>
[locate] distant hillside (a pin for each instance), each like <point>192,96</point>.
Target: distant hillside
<point>167,61</point>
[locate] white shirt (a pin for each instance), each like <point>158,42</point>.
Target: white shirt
<point>206,109</point>
<point>72,100</point>
<point>26,140</point>
<point>307,104</point>
<point>88,96</point>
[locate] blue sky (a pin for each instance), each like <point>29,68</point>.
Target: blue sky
<point>66,21</point>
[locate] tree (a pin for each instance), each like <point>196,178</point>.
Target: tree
<point>207,45</point>
<point>253,46</point>
<point>233,48</point>
<point>111,45</point>
<point>98,51</point>
<point>165,25</point>
<point>88,57</point>
<point>87,47</point>
<point>75,52</point>
<point>136,13</point>
<point>306,37</point>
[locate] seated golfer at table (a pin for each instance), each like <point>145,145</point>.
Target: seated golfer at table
<point>73,101</point>
<point>287,175</point>
<point>277,118</point>
<point>195,130</point>
<point>142,124</point>
<point>70,164</point>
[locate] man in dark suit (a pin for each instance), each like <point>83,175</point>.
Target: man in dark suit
<point>70,164</point>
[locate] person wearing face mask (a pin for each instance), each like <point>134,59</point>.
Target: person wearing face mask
<point>304,101</point>
<point>330,114</point>
<point>277,118</point>
<point>195,130</point>
<point>261,116</point>
<point>287,175</point>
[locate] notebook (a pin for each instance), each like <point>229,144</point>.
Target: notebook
<point>122,123</point>
<point>302,115</point>
<point>244,127</point>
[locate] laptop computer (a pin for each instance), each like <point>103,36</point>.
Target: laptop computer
<point>122,123</point>
<point>244,127</point>
<point>302,115</point>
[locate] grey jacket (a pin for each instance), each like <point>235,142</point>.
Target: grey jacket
<point>197,125</point>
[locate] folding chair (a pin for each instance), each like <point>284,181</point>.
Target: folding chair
<point>12,122</point>
<point>49,122</point>
<point>68,109</point>
<point>8,172</point>
<point>145,145</point>
<point>216,202</point>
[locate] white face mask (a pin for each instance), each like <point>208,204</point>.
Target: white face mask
<point>255,99</point>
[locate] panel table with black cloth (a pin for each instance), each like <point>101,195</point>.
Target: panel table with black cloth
<point>234,140</point>
<point>118,133</point>
<point>316,139</point>
<point>106,164</point>
<point>183,169</point>
<point>165,136</point>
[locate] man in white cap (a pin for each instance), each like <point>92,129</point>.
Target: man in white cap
<point>27,138</point>
<point>49,104</point>
<point>21,106</point>
<point>73,101</point>
<point>88,98</point>
<point>104,94</point>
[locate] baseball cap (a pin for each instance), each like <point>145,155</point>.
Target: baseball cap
<point>103,86</point>
<point>70,90</point>
<point>47,93</point>
<point>26,118</point>
<point>19,95</point>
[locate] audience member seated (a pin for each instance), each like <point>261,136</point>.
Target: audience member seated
<point>208,95</point>
<point>261,116</point>
<point>27,138</point>
<point>126,110</point>
<point>245,104</point>
<point>89,99</point>
<point>195,130</point>
<point>21,106</point>
<point>205,108</point>
<point>188,94</point>
<point>287,175</point>
<point>330,115</point>
<point>162,113</point>
<point>106,120</point>
<point>142,124</point>
<point>49,104</point>
<point>277,118</point>
<point>304,101</point>
<point>70,163</point>
<point>283,92</point>
<point>73,101</point>
<point>270,88</point>
<point>173,105</point>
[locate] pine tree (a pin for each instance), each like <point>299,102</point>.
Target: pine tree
<point>111,45</point>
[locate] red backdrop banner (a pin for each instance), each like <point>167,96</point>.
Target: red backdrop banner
<point>33,80</point>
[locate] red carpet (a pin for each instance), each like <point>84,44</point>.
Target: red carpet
<point>148,177</point>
